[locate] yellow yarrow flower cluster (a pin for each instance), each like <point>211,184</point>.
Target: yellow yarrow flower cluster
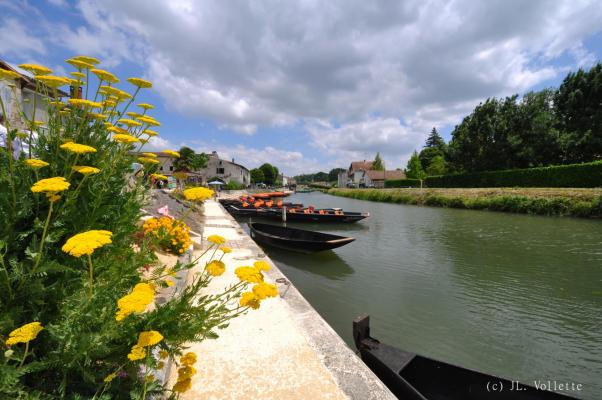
<point>79,64</point>
<point>215,268</point>
<point>141,83</point>
<point>104,75</point>
<point>150,132</point>
<point>151,155</point>
<point>249,274</point>
<point>8,75</point>
<point>123,138</point>
<point>260,292</point>
<point>129,122</point>
<point>171,235</point>
<point>159,177</point>
<point>50,185</point>
<point>53,81</point>
<point>146,106</point>
<point>136,302</point>
<point>35,163</point>
<point>148,160</point>
<point>226,249</point>
<point>77,148</point>
<point>198,194</point>
<point>85,103</point>
<point>185,373</point>
<point>24,334</point>
<point>86,242</point>
<point>85,170</point>
<point>145,339</point>
<point>171,153</point>
<point>36,69</point>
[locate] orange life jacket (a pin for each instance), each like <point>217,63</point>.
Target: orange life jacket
<point>245,204</point>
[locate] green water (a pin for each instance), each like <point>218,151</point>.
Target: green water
<point>512,295</point>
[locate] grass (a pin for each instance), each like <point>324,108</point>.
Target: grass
<point>585,203</point>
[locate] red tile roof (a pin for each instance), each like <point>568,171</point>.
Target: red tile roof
<point>380,175</point>
<point>365,165</point>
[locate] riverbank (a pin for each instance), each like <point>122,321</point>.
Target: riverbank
<point>282,350</point>
<point>584,203</point>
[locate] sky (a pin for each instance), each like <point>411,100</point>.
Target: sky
<point>311,85</point>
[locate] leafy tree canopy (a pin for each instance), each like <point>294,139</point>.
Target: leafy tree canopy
<point>378,163</point>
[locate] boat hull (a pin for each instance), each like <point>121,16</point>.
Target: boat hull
<point>299,240</point>
<point>414,377</point>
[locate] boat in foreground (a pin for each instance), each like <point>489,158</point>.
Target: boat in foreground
<point>414,377</point>
<point>296,239</point>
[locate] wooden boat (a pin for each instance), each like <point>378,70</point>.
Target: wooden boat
<point>317,215</point>
<point>296,239</point>
<point>245,212</point>
<point>414,377</point>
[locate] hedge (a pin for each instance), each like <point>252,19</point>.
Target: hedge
<point>585,175</point>
<point>400,183</point>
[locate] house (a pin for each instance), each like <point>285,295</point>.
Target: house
<point>22,94</point>
<point>361,174</point>
<point>223,170</point>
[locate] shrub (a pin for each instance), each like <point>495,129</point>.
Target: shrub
<point>401,183</point>
<point>77,281</point>
<point>574,175</point>
<point>233,185</point>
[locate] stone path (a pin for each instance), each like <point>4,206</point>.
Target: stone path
<point>284,350</point>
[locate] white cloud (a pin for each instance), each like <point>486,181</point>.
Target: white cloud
<point>17,41</point>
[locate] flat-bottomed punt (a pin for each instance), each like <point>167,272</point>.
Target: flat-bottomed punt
<point>296,239</point>
<point>414,377</point>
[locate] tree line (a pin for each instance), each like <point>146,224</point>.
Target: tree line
<point>546,127</point>
<point>331,176</point>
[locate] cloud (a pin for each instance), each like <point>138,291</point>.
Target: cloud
<point>17,41</point>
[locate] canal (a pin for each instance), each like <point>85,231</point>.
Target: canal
<point>512,295</point>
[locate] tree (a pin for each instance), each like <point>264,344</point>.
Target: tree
<point>333,175</point>
<point>428,154</point>
<point>189,160</point>
<point>378,163</point>
<point>257,175</point>
<point>270,173</point>
<point>434,140</point>
<point>438,166</point>
<point>414,169</point>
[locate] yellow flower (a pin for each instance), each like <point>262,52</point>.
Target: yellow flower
<point>136,302</point>
<point>199,194</point>
<point>216,239</point>
<point>132,114</point>
<point>249,299</point>
<point>226,249</point>
<point>147,160</point>
<point>249,274</point>
<point>215,268</point>
<point>87,59</point>
<point>35,163</point>
<point>78,148</point>
<point>98,116</point>
<point>171,153</point>
<point>182,386</point>
<point>79,64</point>
<point>163,354</point>
<point>7,74</point>
<point>188,358</point>
<point>110,377</point>
<point>159,177</point>
<point>129,122</point>
<point>85,170</point>
<point>104,75</point>
<point>150,132</point>
<point>86,242</point>
<point>147,119</point>
<point>53,81</point>
<point>151,155</point>
<point>22,135</point>
<point>35,69</point>
<point>137,353</point>
<point>146,106</point>
<point>186,372</point>
<point>85,103</point>
<point>117,129</point>
<point>263,290</point>
<point>78,74</point>
<point>262,265</point>
<point>24,334</point>
<point>123,138</point>
<point>50,185</point>
<point>149,338</point>
<point>139,82</point>
<point>160,365</point>
<point>168,282</point>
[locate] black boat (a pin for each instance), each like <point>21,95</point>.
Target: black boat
<point>296,239</point>
<point>245,212</point>
<point>315,215</point>
<point>414,377</point>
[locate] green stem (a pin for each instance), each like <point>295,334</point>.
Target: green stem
<point>145,373</point>
<point>91,275</point>
<point>41,249</point>
<point>24,355</point>
<point>8,286</point>
<point>9,147</point>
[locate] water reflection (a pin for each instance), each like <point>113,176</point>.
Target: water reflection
<point>327,264</point>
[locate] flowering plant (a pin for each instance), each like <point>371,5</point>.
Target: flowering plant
<point>169,234</point>
<point>78,317</point>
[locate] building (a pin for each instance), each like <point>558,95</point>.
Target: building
<point>21,95</point>
<point>360,174</point>
<point>223,170</point>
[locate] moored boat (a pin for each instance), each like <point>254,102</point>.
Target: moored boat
<point>317,215</point>
<point>296,239</point>
<point>414,377</point>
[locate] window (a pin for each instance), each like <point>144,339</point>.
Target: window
<point>220,170</point>
<point>161,168</point>
<point>171,167</point>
